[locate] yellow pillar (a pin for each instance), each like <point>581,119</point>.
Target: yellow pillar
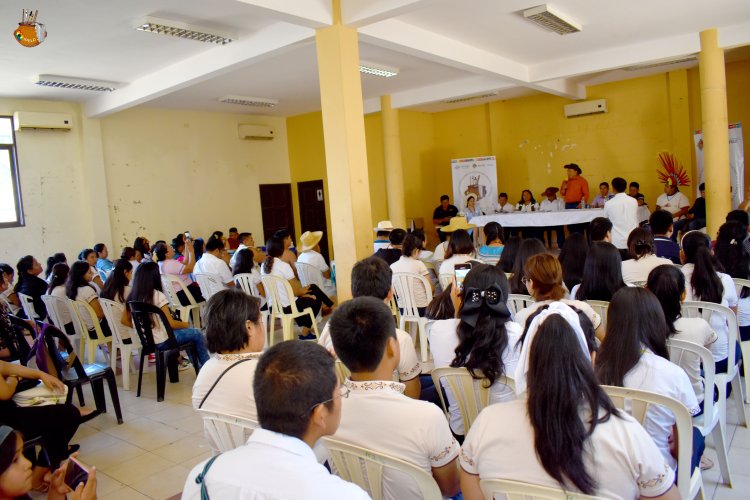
<point>394,174</point>
<point>715,130</point>
<point>346,154</point>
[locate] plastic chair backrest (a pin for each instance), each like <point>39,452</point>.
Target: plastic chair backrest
<point>309,274</point>
<point>226,432</point>
<point>27,303</point>
<point>113,311</point>
<point>639,403</point>
<point>245,282</point>
<point>705,310</point>
<point>518,301</point>
<point>445,279</point>
<point>53,305</point>
<point>209,284</point>
<point>365,467</point>
<point>271,285</point>
<point>679,352</point>
<point>53,338</point>
<point>167,284</point>
<point>143,314</point>
<point>740,284</point>
<point>83,309</point>
<point>404,284</point>
<point>600,307</point>
<point>516,490</point>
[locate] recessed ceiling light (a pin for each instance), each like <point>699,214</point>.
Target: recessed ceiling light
<point>662,63</point>
<point>471,98</point>
<point>373,69</point>
<point>548,19</point>
<point>182,30</point>
<point>258,102</point>
<point>66,82</point>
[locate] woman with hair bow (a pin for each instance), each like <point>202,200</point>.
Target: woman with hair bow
<point>482,338</point>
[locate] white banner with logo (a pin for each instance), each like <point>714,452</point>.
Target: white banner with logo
<point>736,162</point>
<point>477,178</point>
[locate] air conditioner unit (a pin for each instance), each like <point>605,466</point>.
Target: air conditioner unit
<point>255,132</point>
<point>30,120</point>
<point>585,108</point>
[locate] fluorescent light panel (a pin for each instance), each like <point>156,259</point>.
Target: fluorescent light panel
<point>548,19</point>
<point>470,98</point>
<point>66,82</point>
<point>258,102</point>
<point>182,30</point>
<point>373,69</point>
<point>659,64</point>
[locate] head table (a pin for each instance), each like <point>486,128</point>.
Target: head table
<point>540,219</point>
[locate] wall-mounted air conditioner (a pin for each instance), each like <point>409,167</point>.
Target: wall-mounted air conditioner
<point>255,132</point>
<point>33,120</point>
<point>585,108</point>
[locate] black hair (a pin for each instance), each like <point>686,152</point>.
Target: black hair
<point>619,184</point>
<point>532,201</point>
<point>371,277</point>
<point>634,185</point>
<point>7,268</point>
<point>58,275</point>
<point>217,234</point>
<point>244,262</point>
<point>441,305</point>
<point>587,327</point>
<point>198,248</point>
<point>628,333</point>
<point>76,279</point>
<point>529,247</point>
<point>8,448</point>
<point>291,379</point>
<point>668,284</point>
<point>503,195</point>
<point>508,257</point>
<point>99,248</point>
<point>225,319</point>
<point>640,243</point>
<point>702,187</point>
<point>731,253</point>
<point>739,216</point>
<point>145,282</point>
<point>602,273</point>
<point>409,245</point>
<point>460,244</point>
<point>140,245</point>
<point>480,348</point>
<point>282,233</point>
<point>559,378</point>
<point>493,231</point>
<point>660,221</point>
<point>114,287</point>
<point>85,253</point>
<point>274,250</point>
<point>573,258</point>
<point>128,253</point>
<point>24,265</point>
<point>232,229</point>
<point>382,234</point>
<point>705,283</point>
<point>396,237</point>
<point>214,244</point>
<point>419,234</point>
<point>605,183</point>
<point>599,227</point>
<point>52,260</point>
<point>242,236</point>
<point>177,242</point>
<point>360,329</point>
<point>445,197</point>
<point>160,251</point>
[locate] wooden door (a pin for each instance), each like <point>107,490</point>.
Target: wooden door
<point>312,211</point>
<point>276,209</point>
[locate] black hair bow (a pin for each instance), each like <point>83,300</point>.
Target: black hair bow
<point>492,297</point>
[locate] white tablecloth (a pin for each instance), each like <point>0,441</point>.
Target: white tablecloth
<point>540,219</point>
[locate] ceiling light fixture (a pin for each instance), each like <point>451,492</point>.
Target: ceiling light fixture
<point>658,64</point>
<point>66,82</point>
<point>258,102</point>
<point>182,30</point>
<point>373,69</point>
<point>550,20</point>
<point>470,98</point>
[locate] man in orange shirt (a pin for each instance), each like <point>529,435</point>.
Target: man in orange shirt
<point>575,191</point>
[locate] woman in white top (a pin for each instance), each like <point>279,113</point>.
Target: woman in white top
<point>527,203</point>
<point>634,355</point>
<point>732,254</point>
<point>460,250</point>
<point>409,263</point>
<point>57,277</point>
<point>9,295</point>
<point>88,255</point>
<point>244,263</point>
<point>78,287</point>
<point>706,284</point>
<point>310,254</point>
<point>117,287</point>
<point>641,248</point>
<point>549,438</point>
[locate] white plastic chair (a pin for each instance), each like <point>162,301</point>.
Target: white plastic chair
<point>516,490</point>
<point>404,284</point>
<point>226,432</point>
<point>365,467</point>
<point>600,307</point>
<point>272,284</point>
<point>83,310</point>
<point>445,279</point>
<point>192,312</point>
<point>517,301</point>
<point>245,282</point>
<point>309,274</point>
<point>209,284</point>
<point>689,485</point>
<point>113,311</point>
<point>709,421</point>
<point>27,303</point>
<point>705,310</point>
<point>55,305</point>
<point>744,345</point>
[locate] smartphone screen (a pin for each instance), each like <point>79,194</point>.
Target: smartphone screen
<point>75,473</point>
<point>187,235</point>
<point>460,271</point>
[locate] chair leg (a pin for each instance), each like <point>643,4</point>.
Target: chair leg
<point>720,441</point>
<point>171,362</point>
<point>314,324</point>
<point>79,391</point>
<point>422,327</point>
<point>739,400</point>
<point>140,373</point>
<point>97,387</point>
<point>112,382</point>
<point>126,355</point>
<point>271,328</point>
<point>287,328</point>
<point>161,377</point>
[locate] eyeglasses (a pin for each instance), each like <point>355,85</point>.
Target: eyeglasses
<point>343,393</point>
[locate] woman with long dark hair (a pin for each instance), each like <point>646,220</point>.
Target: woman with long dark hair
<point>573,258</point>
<point>58,277</point>
<point>51,261</point>
<point>602,273</point>
<point>529,247</point>
<point>117,286</point>
<point>29,283</point>
<point>164,254</point>
<point>492,250</point>
<point>549,437</point>
<point>7,274</point>
<point>79,287</point>
<point>634,354</point>
<point>142,248</point>
<point>244,263</point>
<point>528,203</point>
<point>460,250</point>
<point>88,255</point>
<point>732,254</point>
<point>642,260</point>
<point>508,257</point>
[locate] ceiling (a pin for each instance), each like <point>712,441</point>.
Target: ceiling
<point>443,49</point>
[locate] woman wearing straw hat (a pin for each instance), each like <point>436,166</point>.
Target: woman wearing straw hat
<point>455,223</point>
<point>310,254</point>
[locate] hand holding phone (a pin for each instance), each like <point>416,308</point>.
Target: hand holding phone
<point>187,235</point>
<point>75,473</point>
<point>460,271</point>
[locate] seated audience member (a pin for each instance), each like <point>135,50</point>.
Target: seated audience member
<point>215,261</point>
<point>235,334</point>
<point>51,261</point>
<point>483,338</point>
<point>667,283</point>
<point>78,287</point>
<point>490,252</point>
<point>672,200</point>
<point>142,248</point>
<point>460,250</point>
<point>456,223</point>
<point>147,288</point>
<point>622,211</point>
<point>88,255</point>
<point>471,209</point>
<point>705,283</point>
<point>234,238</point>
<point>642,259</point>
<point>529,248</point>
<point>9,295</point>
<point>548,437</point>
<point>735,259</point>
<point>129,254</point>
<point>662,229</point>
<point>164,255</point>
<point>442,216</point>
<point>244,263</point>
<point>409,263</point>
<point>58,277</point>
<point>246,241</point>
<point>423,254</point>
<point>178,245</point>
<point>508,257</point>
<point>634,355</point>
<point>602,274</point>
<point>371,277</point>
<point>29,283</point>
<point>634,189</point>
<point>392,252</point>
<point>643,211</point>
<point>502,204</point>
<point>117,288</point>
<point>310,254</point>
<point>743,218</point>
<point>572,259</point>
<point>695,218</point>
<point>552,203</point>
<point>377,415</point>
<point>198,248</point>
<point>545,285</point>
<point>600,229</point>
<point>290,252</point>
<point>603,196</point>
<point>219,235</point>
<point>381,235</point>
<point>102,262</point>
<point>304,297</point>
<point>298,400</point>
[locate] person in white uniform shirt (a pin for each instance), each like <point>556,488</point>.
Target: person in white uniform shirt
<point>215,260</point>
<point>299,400</point>
<point>460,250</point>
<point>547,437</point>
<point>622,210</point>
<point>246,241</point>
<point>672,200</point>
<point>642,260</point>
<point>731,252</point>
<point>310,254</point>
<point>376,415</point>
<point>503,207</point>
<point>551,203</point>
<point>409,263</point>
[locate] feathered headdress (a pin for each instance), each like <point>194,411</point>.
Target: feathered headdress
<point>674,173</point>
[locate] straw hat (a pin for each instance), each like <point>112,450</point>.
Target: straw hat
<point>459,222</point>
<point>384,225</point>
<point>310,240</point>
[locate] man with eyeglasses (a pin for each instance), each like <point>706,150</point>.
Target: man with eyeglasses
<point>377,415</point>
<point>298,398</point>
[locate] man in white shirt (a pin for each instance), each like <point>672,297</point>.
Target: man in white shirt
<point>215,260</point>
<point>298,398</point>
<point>246,241</point>
<point>502,204</point>
<point>376,415</point>
<point>673,201</point>
<point>622,211</point>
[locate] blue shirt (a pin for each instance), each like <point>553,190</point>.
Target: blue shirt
<point>104,264</point>
<point>667,248</point>
<point>490,255</point>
